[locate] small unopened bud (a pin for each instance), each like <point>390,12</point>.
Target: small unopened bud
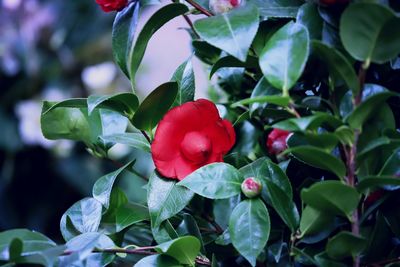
<point>251,187</point>
<point>222,6</point>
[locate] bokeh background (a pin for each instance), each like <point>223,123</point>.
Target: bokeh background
<point>53,50</point>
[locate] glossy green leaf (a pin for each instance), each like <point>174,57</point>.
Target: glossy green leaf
<point>183,249</point>
<point>184,76</point>
<point>345,244</point>
<point>104,185</point>
<point>156,104</point>
<point>232,62</point>
<point>222,209</point>
<point>165,199</point>
<point>129,214</point>
<point>271,99</point>
<point>232,32</point>
<point>369,32</point>
<point>277,8</point>
<point>325,141</point>
<point>84,215</point>
<point>284,57</point>
<point>189,226</point>
<point>28,242</point>
<point>135,140</point>
<point>164,232</point>
<point>206,52</point>
<point>124,103</point>
<point>338,65</point>
<point>123,33</point>
<point>372,182</point>
<point>263,88</point>
<point>249,228</point>
<point>45,257</point>
<point>283,205</point>
<point>331,196</point>
<point>309,17</point>
<point>367,108</point>
<point>158,261</point>
<point>156,21</point>
<point>392,164</point>
<point>319,158</point>
<point>215,181</point>
<point>312,122</point>
<point>313,221</point>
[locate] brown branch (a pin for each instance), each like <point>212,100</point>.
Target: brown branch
<point>200,8</point>
<point>190,23</point>
<point>146,136</point>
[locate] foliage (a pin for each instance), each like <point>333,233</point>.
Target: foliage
<point>287,65</point>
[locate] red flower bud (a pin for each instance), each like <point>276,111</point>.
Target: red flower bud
<point>112,5</point>
<point>189,137</point>
<point>251,187</point>
<point>276,141</point>
<point>373,197</point>
<point>222,6</point>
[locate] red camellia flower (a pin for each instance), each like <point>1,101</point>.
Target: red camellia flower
<point>189,137</point>
<point>276,142</point>
<point>112,5</point>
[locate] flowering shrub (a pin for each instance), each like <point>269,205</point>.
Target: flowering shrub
<point>298,165</point>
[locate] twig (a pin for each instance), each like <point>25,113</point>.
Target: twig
<point>190,23</point>
<point>146,136</point>
<point>200,8</point>
<point>211,220</point>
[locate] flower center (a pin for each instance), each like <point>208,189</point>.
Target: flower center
<point>196,147</point>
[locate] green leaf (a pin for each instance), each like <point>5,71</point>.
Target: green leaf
<point>184,76</point>
<point>369,32</point>
<point>164,232</point>
<point>325,141</point>
<point>124,103</point>
<point>277,8</point>
<point>189,226</point>
<point>123,33</point>
<point>165,199</point>
<point>313,221</point>
<point>284,57</point>
<point>158,261</point>
<point>271,99</point>
<point>157,20</point>
<point>263,88</point>
<point>265,170</point>
<point>319,158</point>
<point>129,214</point>
<point>309,17</point>
<point>283,205</point>
<point>232,32</point>
<point>135,140</point>
<point>104,185</point>
<point>367,108</point>
<point>249,228</point>
<point>232,62</point>
<point>215,181</point>
<point>84,215</point>
<point>392,164</point>
<point>155,106</point>
<point>183,249</point>
<point>311,123</point>
<point>333,197</point>
<point>345,244</point>
<point>28,242</point>
<point>372,182</point>
<point>338,65</point>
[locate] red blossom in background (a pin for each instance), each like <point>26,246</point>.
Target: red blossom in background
<point>276,141</point>
<point>189,137</point>
<point>112,5</point>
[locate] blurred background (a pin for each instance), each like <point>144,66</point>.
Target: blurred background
<point>53,50</point>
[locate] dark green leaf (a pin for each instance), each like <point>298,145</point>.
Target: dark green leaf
<point>165,199</point>
<point>319,158</point>
<point>338,65</point>
<point>309,17</point>
<point>313,221</point>
<point>157,20</point>
<point>123,33</point>
<point>155,106</point>
<point>277,62</point>
<point>124,103</point>
<point>392,164</point>
<point>283,205</point>
<point>183,249</point>
<point>263,88</point>
<point>331,196</point>
<point>345,244</point>
<point>369,32</point>
<point>372,182</point>
<point>312,122</point>
<point>215,181</point>
<point>249,228</point>
<point>232,32</point>
<point>104,185</point>
<point>184,76</point>
<point>230,61</point>
<point>135,140</point>
<point>271,99</point>
<point>277,8</point>
<point>325,141</point>
<point>189,226</point>
<point>15,249</point>
<point>158,261</point>
<point>129,214</point>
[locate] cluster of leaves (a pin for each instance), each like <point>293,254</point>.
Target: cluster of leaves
<point>280,64</point>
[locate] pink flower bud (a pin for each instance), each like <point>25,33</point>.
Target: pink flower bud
<point>222,6</point>
<point>251,187</point>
